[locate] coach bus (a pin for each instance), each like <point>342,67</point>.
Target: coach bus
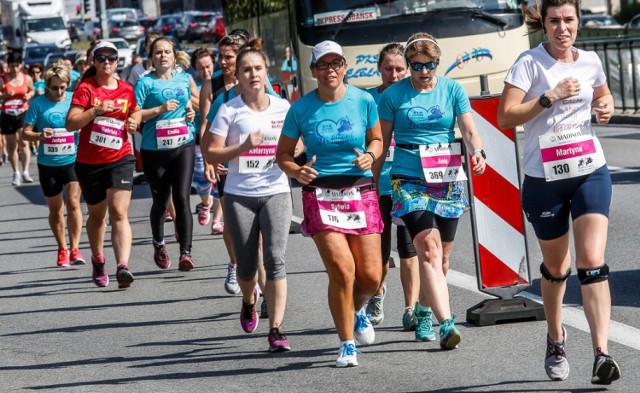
<point>477,37</point>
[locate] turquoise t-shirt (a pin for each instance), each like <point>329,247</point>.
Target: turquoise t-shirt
<point>74,77</point>
<point>44,113</point>
<point>384,183</point>
<point>39,87</point>
<point>421,119</point>
<point>152,92</point>
<point>331,130</point>
<point>197,119</point>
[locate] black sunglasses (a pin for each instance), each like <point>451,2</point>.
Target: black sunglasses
<point>103,58</point>
<point>430,65</point>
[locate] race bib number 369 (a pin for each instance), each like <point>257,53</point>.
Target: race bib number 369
<point>442,163</point>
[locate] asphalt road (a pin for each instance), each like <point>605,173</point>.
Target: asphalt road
<point>179,332</point>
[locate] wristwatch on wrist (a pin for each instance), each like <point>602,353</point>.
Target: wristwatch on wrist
<point>544,101</point>
<point>482,153</point>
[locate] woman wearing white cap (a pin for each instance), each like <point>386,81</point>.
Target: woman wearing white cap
<point>104,109</point>
<point>340,128</point>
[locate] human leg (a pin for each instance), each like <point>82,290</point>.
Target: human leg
<point>74,214</point>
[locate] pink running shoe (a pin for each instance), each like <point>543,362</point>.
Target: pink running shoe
<point>204,215</point>
<point>63,258</point>
<point>76,257</point>
<point>168,217</point>
<point>186,263</point>
<point>100,276</point>
<point>278,341</point>
<point>217,227</point>
<point>249,315</point>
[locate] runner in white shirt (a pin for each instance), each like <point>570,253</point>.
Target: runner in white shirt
<point>245,132</point>
<point>552,90</point>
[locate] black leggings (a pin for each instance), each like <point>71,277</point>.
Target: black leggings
<point>169,173</point>
<point>404,243</point>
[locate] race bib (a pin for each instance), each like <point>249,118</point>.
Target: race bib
<point>341,208</point>
<point>61,143</point>
<point>392,149</point>
<point>107,132</point>
<point>261,158</point>
<point>14,107</point>
<point>171,133</point>
<point>442,163</point>
<point>569,154</point>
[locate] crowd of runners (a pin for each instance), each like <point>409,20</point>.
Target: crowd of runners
<point>366,159</point>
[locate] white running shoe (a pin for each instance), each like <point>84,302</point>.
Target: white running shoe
<point>348,356</point>
<point>16,179</point>
<point>363,329</point>
<point>231,282</point>
<point>26,178</point>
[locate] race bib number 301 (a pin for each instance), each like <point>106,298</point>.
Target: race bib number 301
<point>107,132</point>
<point>341,208</point>
<point>442,163</point>
<point>569,154</point>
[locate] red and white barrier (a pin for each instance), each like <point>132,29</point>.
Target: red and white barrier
<point>497,218</point>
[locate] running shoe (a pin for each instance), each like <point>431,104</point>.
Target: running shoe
<point>76,257</point>
<point>204,215</point>
<point>16,179</point>
<point>160,255</point>
<point>231,282</point>
<point>555,363</point>
<point>348,356</point>
<point>363,329</point>
<point>277,341</point>
<point>424,328</point>
<point>63,258</point>
<point>186,263</point>
<point>124,276</point>
<point>449,334</point>
<point>264,313</point>
<point>100,276</point>
<point>26,178</point>
<point>198,207</point>
<point>375,312</point>
<point>605,369</point>
<point>167,217</point>
<point>409,321</point>
<point>248,315</point>
<point>217,227</point>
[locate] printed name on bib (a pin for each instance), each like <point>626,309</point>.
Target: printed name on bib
<point>392,149</point>
<point>261,158</point>
<point>61,143</point>
<point>107,132</point>
<point>171,133</point>
<point>442,163</point>
<point>341,208</point>
<point>14,107</point>
<point>569,153</point>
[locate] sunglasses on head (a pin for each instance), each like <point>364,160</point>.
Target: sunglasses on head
<point>103,58</point>
<point>430,65</point>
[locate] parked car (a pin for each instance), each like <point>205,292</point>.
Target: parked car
<point>93,30</point>
<point>634,23</point>
<point>167,24</point>
<point>140,49</point>
<point>130,30</point>
<point>76,29</point>
<point>52,58</point>
<point>193,25</point>
<point>36,53</point>
<point>124,52</point>
<point>215,30</point>
<point>148,22</point>
<point>599,21</point>
<point>123,14</point>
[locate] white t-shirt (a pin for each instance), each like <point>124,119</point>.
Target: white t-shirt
<point>254,173</point>
<point>537,72</point>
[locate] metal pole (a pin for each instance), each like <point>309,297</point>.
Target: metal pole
<point>104,26</point>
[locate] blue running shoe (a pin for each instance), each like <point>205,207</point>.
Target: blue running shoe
<point>424,328</point>
<point>348,356</point>
<point>449,334</point>
<point>363,329</point>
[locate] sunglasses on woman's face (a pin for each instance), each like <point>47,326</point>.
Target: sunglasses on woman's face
<point>430,65</point>
<point>103,58</point>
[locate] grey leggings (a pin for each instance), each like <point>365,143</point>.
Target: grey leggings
<point>247,217</point>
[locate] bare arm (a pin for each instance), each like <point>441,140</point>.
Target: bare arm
<point>284,155</point>
<point>473,142</point>
<point>79,117</point>
<point>204,103</point>
<point>29,134</point>
<point>195,95</point>
<point>603,105</point>
<point>386,130</point>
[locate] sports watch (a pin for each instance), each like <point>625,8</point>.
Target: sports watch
<point>544,101</point>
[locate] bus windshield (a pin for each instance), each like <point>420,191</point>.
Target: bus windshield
<point>315,13</point>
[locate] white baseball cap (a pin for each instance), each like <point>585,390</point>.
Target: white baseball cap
<point>104,45</point>
<point>325,48</point>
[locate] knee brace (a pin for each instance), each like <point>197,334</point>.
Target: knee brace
<point>550,278</point>
<point>594,275</point>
